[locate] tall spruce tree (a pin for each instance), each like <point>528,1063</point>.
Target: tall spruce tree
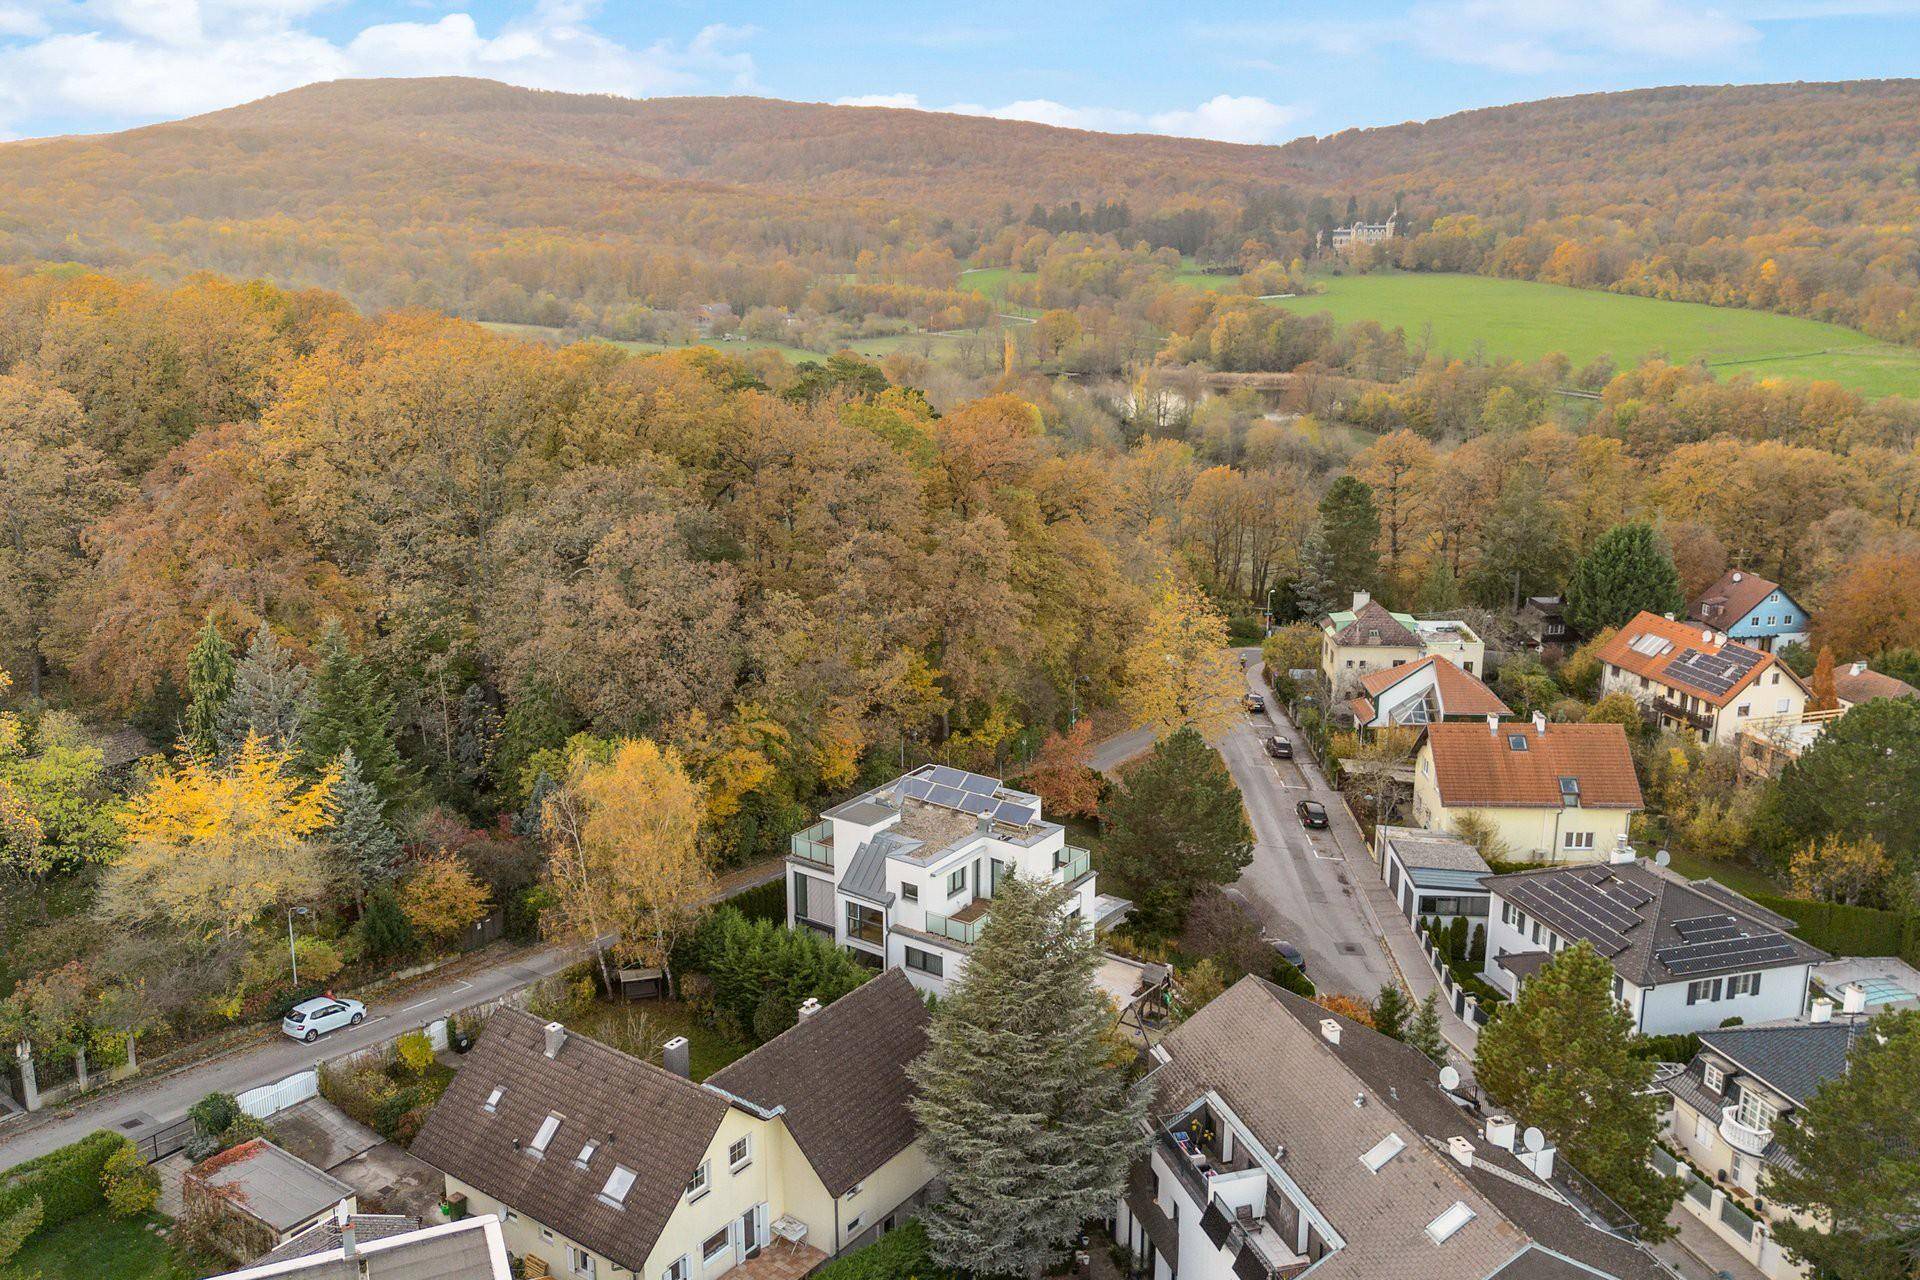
<point>209,685</point>
<point>365,849</point>
<point>270,696</point>
<point>1390,1011</point>
<point>1561,1058</point>
<point>1424,1034</point>
<point>1350,523</point>
<point>1027,1119</point>
<point>1316,591</point>
<point>350,710</point>
<point>1854,1161</point>
<point>1627,571</point>
<point>1175,825</point>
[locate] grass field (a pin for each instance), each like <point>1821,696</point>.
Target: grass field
<point>96,1247</point>
<point>1524,320</point>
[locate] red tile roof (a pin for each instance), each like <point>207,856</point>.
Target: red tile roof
<point>1682,639</point>
<point>1857,682</point>
<point>1476,767</point>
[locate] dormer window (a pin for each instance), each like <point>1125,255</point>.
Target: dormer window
<point>586,1154</point>
<point>1570,792</point>
<point>1517,741</point>
<point>544,1137</point>
<point>619,1182</point>
<point>493,1099</point>
<point>1713,1077</point>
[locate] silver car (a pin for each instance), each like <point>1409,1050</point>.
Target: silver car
<point>311,1019</point>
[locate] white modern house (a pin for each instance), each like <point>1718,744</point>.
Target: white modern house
<point>1729,1102</point>
<point>904,875</point>
<point>1432,874</point>
<point>1686,954</point>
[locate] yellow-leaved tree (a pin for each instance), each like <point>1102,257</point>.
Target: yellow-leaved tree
<point>1180,671</point>
<point>212,845</point>
<point>624,855</point>
<point>441,897</point>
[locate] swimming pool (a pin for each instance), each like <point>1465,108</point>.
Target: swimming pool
<point>1884,991</point>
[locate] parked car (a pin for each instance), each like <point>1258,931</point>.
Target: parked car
<point>1290,953</point>
<point>1279,748</point>
<point>1312,814</point>
<point>1254,702</point>
<point>311,1019</point>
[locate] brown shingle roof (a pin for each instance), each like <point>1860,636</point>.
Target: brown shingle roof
<point>1374,617</point>
<point>650,1121</point>
<point>842,1076</point>
<point>1732,598</point>
<point>1857,682</point>
<point>1479,768</point>
<point>1685,641</point>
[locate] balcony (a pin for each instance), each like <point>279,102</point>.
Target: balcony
<point>1672,710</point>
<point>1069,864</point>
<point>1743,1137</point>
<point>814,845</point>
<point>963,925</point>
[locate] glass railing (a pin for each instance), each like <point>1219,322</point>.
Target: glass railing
<point>947,927</point>
<point>1069,864</point>
<point>815,844</point>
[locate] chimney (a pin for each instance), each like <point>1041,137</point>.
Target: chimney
<point>1853,998</point>
<point>1857,668</point>
<point>1540,723</point>
<point>349,1247</point>
<point>1667,616</point>
<point>985,825</point>
<point>1623,852</point>
<point>1822,1010</point>
<point>676,1056</point>
<point>556,1036</point>
<point>1541,1162</point>
<point>808,1008</point>
<point>1461,1150</point>
<point>1720,637</point>
<point>1500,1132</point>
<point>1360,600</point>
<point>1331,1030</point>
<point>1493,725</point>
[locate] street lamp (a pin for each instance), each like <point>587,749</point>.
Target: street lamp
<point>1270,591</point>
<point>292,955</point>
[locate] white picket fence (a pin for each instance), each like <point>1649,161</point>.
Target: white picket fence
<point>271,1099</point>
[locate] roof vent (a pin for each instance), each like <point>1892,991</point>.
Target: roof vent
<point>1330,1028</point>
<point>1623,851</point>
<point>1461,1149</point>
<point>1448,1224</point>
<point>808,1008</point>
<point>1280,1152</point>
<point>1359,1099</point>
<point>1500,1131</point>
<point>556,1036</point>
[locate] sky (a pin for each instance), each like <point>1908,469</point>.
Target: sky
<point>1225,69</point>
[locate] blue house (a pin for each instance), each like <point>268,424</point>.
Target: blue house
<point>1752,611</point>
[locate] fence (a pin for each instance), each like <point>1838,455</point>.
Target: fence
<point>481,932</point>
<point>1463,1002</point>
<point>269,1099</point>
<point>161,1143</point>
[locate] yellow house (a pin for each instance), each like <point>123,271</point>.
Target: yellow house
<point>1369,638</point>
<point>1551,793</point>
<point>601,1165</point>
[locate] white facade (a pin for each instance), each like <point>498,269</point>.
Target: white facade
<point>904,882</point>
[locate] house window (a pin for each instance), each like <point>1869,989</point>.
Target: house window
<point>1577,840</point>
<point>864,924</point>
<point>1714,1078</point>
<point>1782,706</point>
<point>1536,931</point>
<point>582,1262</point>
<point>910,892</point>
<point>1507,913</point>
<point>925,962</point>
<point>1517,742</point>
<point>1703,989</point>
<point>1467,667</point>
<point>854,1190</point>
<point>1619,988</point>
<point>1774,678</point>
<point>956,881</point>
<point>701,1182</point>
<point>740,1155</point>
<point>715,1245</point>
<point>1743,984</point>
<point>1743,710</point>
<point>853,1224</point>
<point>678,1271</point>
<point>1755,1112</point>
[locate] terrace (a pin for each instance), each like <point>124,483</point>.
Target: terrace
<point>814,845</point>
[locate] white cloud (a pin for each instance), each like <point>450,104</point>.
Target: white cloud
<point>145,59</point>
<point>1223,118</point>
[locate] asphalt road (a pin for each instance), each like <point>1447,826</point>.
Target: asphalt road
<point>143,1106</point>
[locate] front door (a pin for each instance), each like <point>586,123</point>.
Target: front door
<point>751,1223</point>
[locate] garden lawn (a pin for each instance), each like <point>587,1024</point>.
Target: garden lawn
<point>608,1021</point>
<point>98,1247</point>
<point>1737,876</point>
<point>1523,320</point>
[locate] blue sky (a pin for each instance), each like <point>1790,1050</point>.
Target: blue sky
<point>1244,72</point>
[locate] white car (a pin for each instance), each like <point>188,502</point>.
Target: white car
<point>311,1019</point>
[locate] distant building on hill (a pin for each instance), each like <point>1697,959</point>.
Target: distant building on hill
<point>1343,239</point>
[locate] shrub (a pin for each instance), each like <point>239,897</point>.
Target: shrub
<point>1841,929</point>
<point>17,1226</point>
<point>65,1182</point>
<point>762,902</point>
<point>128,1183</point>
<point>773,1016</point>
<point>415,1052</point>
<point>1678,1048</point>
<point>385,931</point>
<point>749,959</point>
<point>213,1114</point>
<point>1288,978</point>
<point>900,1255</point>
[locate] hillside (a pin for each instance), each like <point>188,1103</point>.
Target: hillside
<point>520,205</point>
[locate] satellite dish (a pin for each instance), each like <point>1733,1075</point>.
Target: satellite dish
<point>1662,858</point>
<point>1534,1139</point>
<point>1449,1079</point>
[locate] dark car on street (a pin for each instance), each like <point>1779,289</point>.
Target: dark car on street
<point>1312,814</point>
<point>1290,953</point>
<point>1279,748</point>
<point>1254,702</point>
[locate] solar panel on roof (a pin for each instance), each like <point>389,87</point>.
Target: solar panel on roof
<point>946,797</point>
<point>975,803</point>
<point>1692,957</point>
<point>1713,928</point>
<point>948,777</point>
<point>916,788</point>
<point>1716,673</point>
<point>1013,813</point>
<point>980,784</point>
<point>1573,912</point>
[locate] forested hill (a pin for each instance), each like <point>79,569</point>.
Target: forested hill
<point>1798,198</point>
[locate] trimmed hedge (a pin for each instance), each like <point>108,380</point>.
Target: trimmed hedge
<point>762,902</point>
<point>67,1181</point>
<point>1844,930</point>
<point>902,1254</point>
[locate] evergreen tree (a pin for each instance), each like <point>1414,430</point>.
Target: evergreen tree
<point>1561,1058</point>
<point>364,846</point>
<point>1439,589</point>
<point>1390,1011</point>
<point>350,710</point>
<point>1522,549</point>
<point>1861,777</point>
<point>1627,571</point>
<point>1351,526</point>
<point>209,684</point>
<point>385,931</point>
<point>1423,1033</point>
<point>269,697</point>
<point>1854,1161</point>
<point>1027,1118</point>
<point>1175,824</point>
<point>1316,593</point>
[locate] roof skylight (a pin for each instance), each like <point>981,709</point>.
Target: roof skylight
<point>548,1128</point>
<point>619,1182</point>
<point>1448,1224</point>
<point>1382,1151</point>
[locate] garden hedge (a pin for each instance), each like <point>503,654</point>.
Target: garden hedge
<point>762,902</point>
<point>66,1181</point>
<point>899,1255</point>
<point>1844,930</point>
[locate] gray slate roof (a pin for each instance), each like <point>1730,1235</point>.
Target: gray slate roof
<point>649,1120</point>
<point>467,1250</point>
<point>271,1184</point>
<point>1670,900</point>
<point>1417,848</point>
<point>842,1077</point>
<point>866,875</point>
<point>1793,1058</point>
<point>322,1236</point>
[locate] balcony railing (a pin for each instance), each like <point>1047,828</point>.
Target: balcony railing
<point>1069,864</point>
<point>967,931</point>
<point>815,844</point>
<point>1703,721</point>
<point>1743,1137</point>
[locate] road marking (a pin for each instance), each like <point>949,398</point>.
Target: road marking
<point>418,1004</point>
